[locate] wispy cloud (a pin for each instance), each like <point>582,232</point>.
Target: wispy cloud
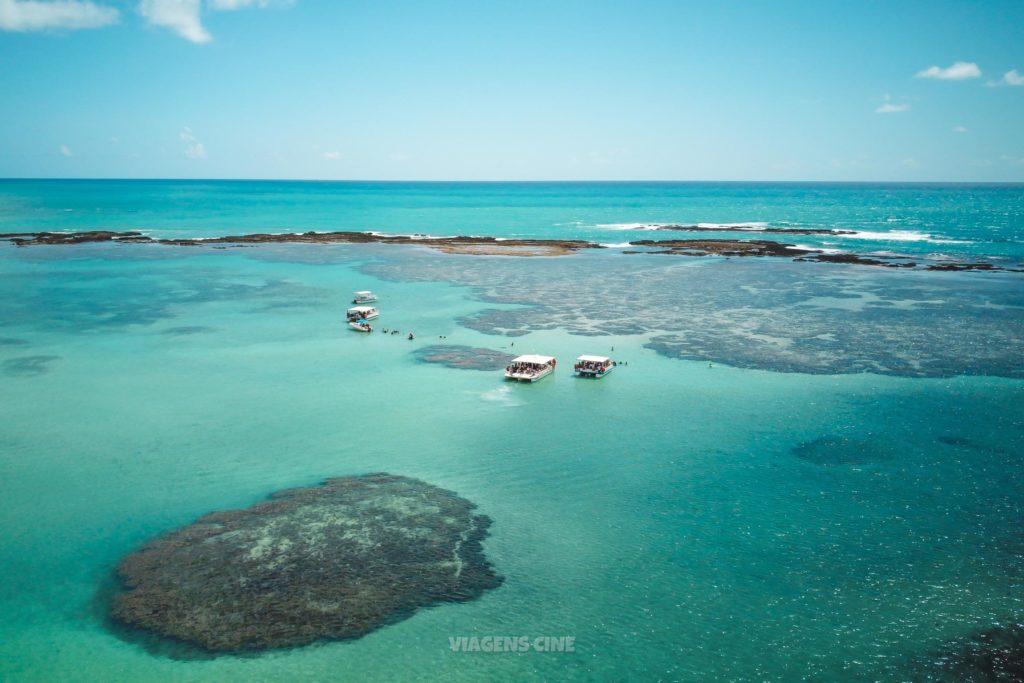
<point>1011,77</point>
<point>960,129</point>
<point>958,72</point>
<point>193,148</point>
<point>229,5</point>
<point>331,155</point>
<point>180,16</point>
<point>890,107</point>
<point>32,15</point>
<point>66,151</point>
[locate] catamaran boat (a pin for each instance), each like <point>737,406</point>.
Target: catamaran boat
<point>364,296</point>
<point>593,366</point>
<point>530,368</point>
<point>362,313</point>
<point>361,326</point>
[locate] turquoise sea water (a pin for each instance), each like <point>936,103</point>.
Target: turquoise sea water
<point>803,472</point>
<point>915,219</point>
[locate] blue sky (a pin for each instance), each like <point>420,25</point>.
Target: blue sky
<point>787,90</point>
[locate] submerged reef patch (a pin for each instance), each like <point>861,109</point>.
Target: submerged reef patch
<point>186,330</point>
<point>463,357</point>
<point>995,655</point>
<point>28,366</point>
<point>328,562</point>
<point>842,450</point>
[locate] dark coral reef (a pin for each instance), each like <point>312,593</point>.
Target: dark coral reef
<point>463,357</point>
<point>328,562</point>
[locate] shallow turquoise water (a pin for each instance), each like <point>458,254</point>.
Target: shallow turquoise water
<point>661,515</point>
<point>922,220</point>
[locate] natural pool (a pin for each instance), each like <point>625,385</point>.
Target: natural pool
<point>802,471</point>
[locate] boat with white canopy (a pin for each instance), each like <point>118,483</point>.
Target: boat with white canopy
<point>530,368</point>
<point>593,366</point>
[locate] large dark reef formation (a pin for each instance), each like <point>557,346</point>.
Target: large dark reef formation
<point>328,562</point>
<point>994,655</point>
<point>463,357</point>
<point>493,246</point>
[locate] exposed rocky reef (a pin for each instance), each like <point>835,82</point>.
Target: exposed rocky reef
<point>328,562</point>
<point>494,246</point>
<point>721,248</point>
<point>463,357</point>
<point>491,246</point>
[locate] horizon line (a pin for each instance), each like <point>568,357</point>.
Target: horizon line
<point>511,181</point>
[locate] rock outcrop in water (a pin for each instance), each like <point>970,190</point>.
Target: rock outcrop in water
<point>334,561</point>
<point>494,246</point>
<point>463,357</point>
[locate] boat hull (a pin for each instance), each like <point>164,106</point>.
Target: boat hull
<point>532,377</point>
<point>591,374</point>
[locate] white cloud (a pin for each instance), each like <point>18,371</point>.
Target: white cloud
<point>228,5</point>
<point>32,15</point>
<point>332,155</point>
<point>959,129</point>
<point>958,72</point>
<point>1012,77</point>
<point>193,148</point>
<point>889,107</point>
<point>66,151</point>
<point>181,16</point>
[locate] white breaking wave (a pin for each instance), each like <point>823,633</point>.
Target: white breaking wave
<point>619,245</point>
<point>901,236</point>
<point>753,226</point>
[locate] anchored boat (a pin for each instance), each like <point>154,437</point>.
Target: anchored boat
<point>593,366</point>
<point>362,313</point>
<point>530,368</point>
<point>361,326</point>
<point>364,296</point>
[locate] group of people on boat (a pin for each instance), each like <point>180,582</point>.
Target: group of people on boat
<point>592,366</point>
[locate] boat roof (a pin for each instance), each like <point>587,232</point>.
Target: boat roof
<point>360,309</point>
<point>594,359</point>
<point>533,358</point>
<point>363,292</point>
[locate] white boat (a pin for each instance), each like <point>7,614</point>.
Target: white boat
<point>593,366</point>
<point>361,326</point>
<point>530,368</point>
<point>364,296</point>
<point>362,313</point>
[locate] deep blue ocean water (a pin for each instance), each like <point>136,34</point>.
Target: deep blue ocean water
<point>804,471</point>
